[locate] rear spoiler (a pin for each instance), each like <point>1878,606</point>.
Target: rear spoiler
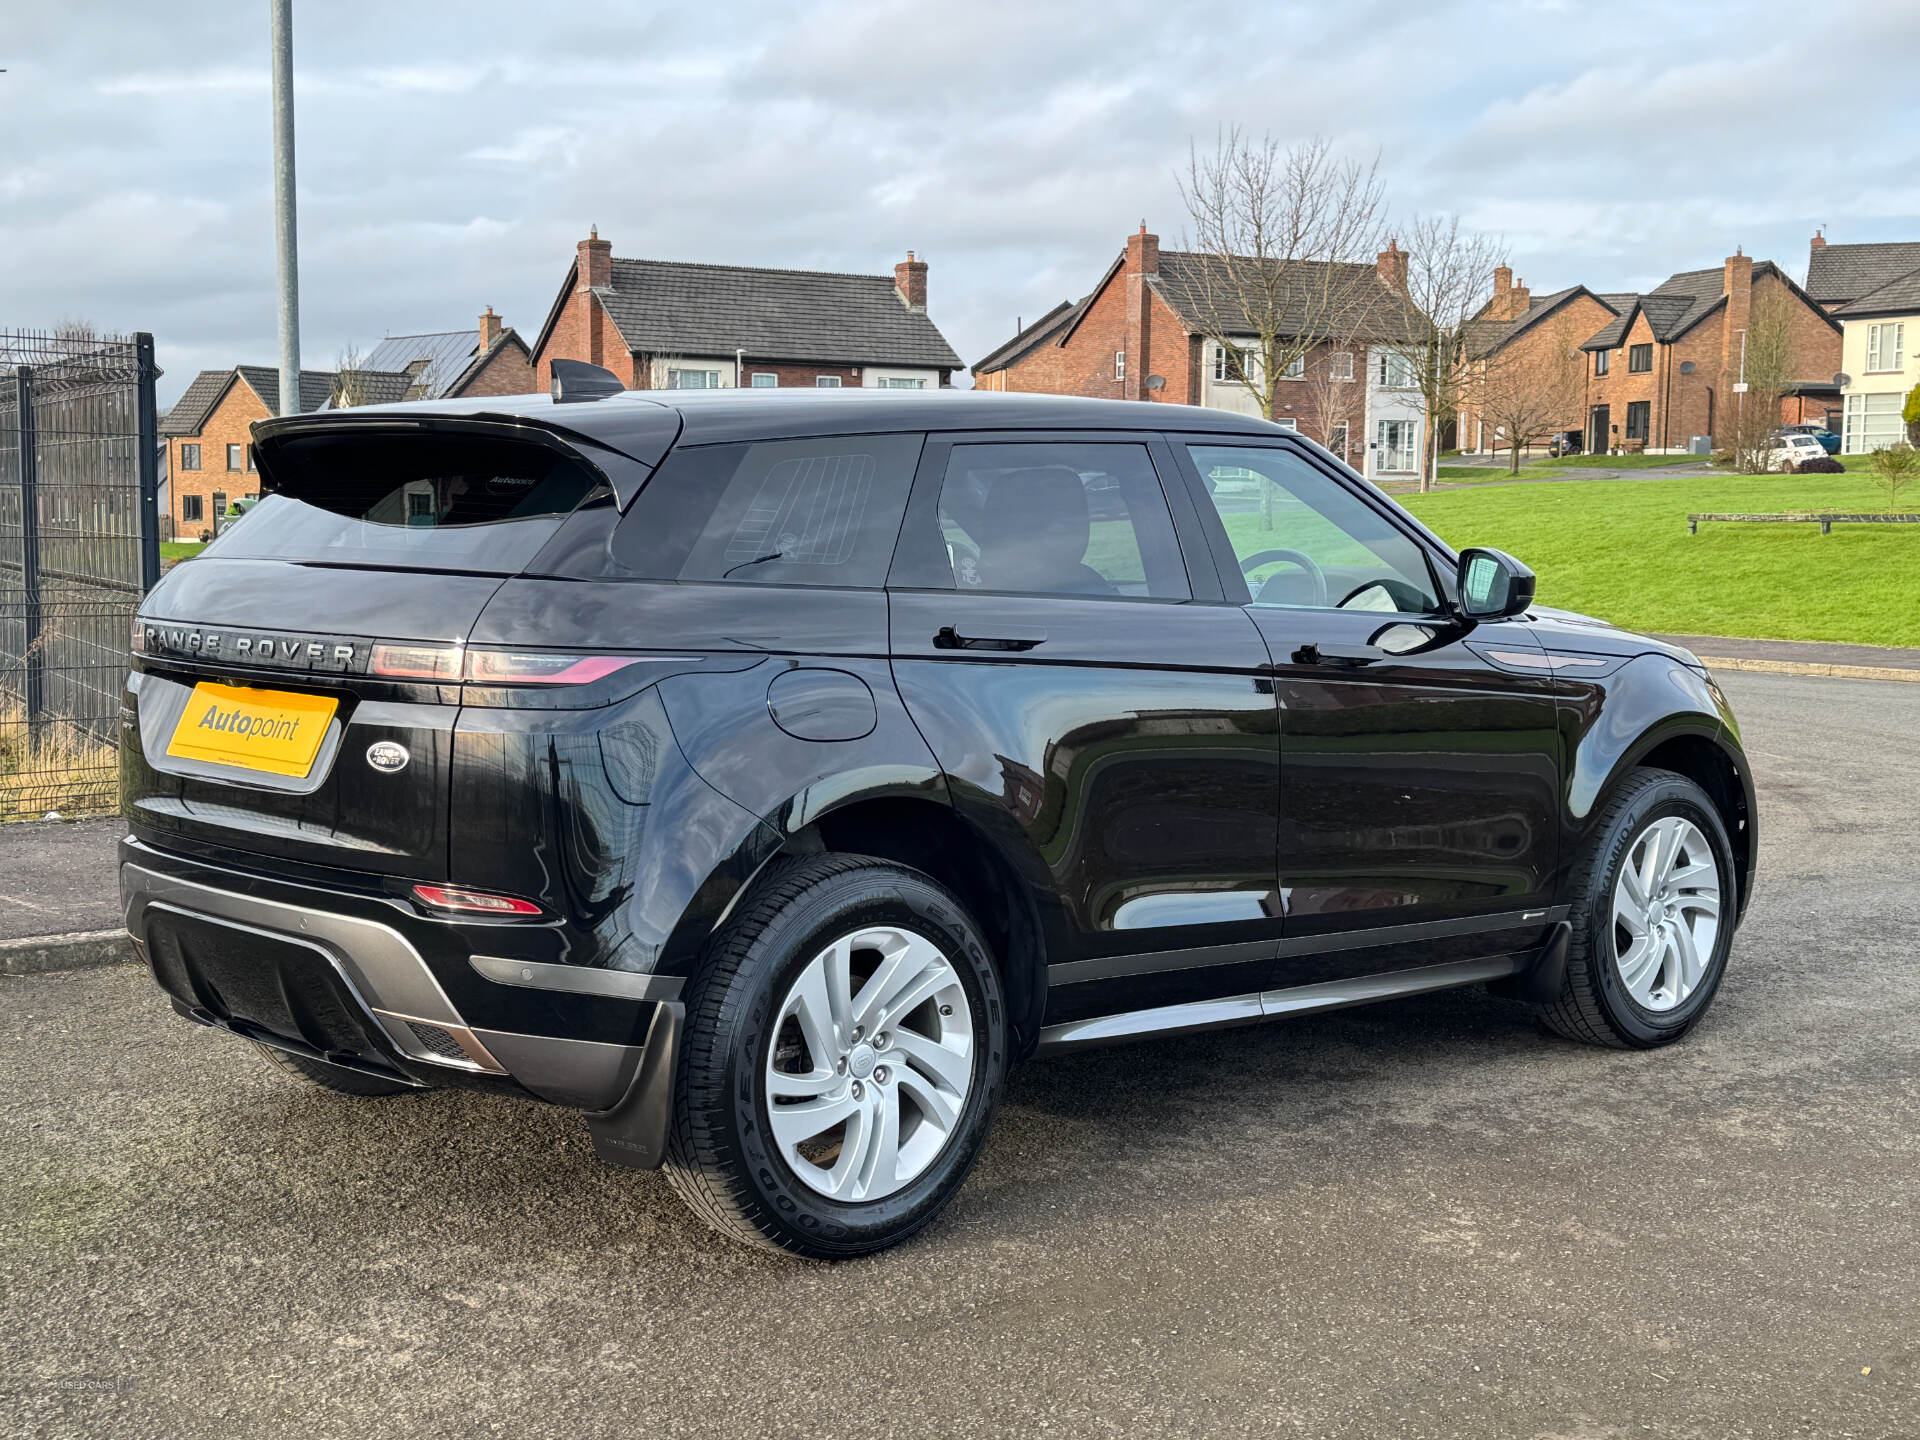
<point>625,443</point>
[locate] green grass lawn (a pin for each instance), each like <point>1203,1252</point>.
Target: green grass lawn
<point>180,549</point>
<point>1620,550</point>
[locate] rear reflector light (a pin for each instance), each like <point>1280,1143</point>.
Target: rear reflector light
<point>474,902</point>
<point>415,662</point>
<point>525,667</point>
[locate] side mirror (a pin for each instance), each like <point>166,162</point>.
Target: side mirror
<point>1493,585</point>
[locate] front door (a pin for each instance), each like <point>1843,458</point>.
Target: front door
<point>1098,708</point>
<point>1419,773</point>
<point>1599,439</point>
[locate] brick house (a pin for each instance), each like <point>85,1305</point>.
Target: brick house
<point>1664,370</point>
<point>1840,274</point>
<point>661,324</point>
<point>1518,332</point>
<point>1142,333</point>
<point>1662,367</point>
<point>491,359</point>
<point>209,439</point>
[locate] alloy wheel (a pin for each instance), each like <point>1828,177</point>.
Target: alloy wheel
<point>1666,913</point>
<point>871,1063</point>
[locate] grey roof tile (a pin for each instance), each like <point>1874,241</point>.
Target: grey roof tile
<point>1837,273</point>
<point>316,386</point>
<point>189,412</point>
<point>671,307</point>
<point>1898,296</point>
<point>1048,325</point>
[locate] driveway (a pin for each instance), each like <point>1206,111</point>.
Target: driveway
<point>1422,1219</point>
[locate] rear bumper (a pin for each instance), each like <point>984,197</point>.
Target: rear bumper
<point>328,975</point>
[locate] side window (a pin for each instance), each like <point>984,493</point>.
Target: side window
<point>779,512</point>
<point>1055,518</point>
<point>1302,539</point>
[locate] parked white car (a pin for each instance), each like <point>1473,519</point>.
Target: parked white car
<point>1789,450</point>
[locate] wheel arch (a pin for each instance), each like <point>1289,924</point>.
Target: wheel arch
<point>926,835</point>
<point>1664,716</point>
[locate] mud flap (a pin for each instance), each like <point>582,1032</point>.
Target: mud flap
<point>1539,983</point>
<point>633,1132</point>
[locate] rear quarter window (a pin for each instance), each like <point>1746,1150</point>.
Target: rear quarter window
<point>773,512</point>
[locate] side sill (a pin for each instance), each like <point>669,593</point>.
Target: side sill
<point>1295,1000</point>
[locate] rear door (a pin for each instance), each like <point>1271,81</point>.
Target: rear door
<point>1059,636</point>
<point>295,686</point>
<point>1419,760</point>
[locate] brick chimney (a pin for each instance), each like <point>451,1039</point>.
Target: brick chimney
<point>1392,265</point>
<point>489,330</point>
<point>910,281</point>
<point>1737,285</point>
<point>596,261</point>
<point>1143,259</point>
<point>1819,239</point>
<point>1509,300</point>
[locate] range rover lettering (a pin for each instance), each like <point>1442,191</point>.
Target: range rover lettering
<point>762,774</point>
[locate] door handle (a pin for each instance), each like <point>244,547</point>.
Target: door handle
<point>1336,655</point>
<point>948,637</point>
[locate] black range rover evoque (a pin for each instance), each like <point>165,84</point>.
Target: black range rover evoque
<point>764,774</point>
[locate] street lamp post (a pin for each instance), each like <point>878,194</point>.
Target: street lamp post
<point>285,238</point>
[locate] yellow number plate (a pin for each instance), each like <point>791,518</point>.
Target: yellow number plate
<point>269,730</point>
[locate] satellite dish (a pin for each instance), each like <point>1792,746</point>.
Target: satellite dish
<point>1843,379</point>
<point>1156,382</point>
<point>1686,367</point>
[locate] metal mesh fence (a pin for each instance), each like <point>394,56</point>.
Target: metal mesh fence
<point>78,548</point>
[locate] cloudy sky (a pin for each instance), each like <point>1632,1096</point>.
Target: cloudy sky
<point>451,154</point>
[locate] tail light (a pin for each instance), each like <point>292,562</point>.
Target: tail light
<point>472,902</point>
<point>530,667</point>
<point>493,667</point>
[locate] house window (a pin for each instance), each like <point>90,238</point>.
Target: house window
<point>1639,359</point>
<point>190,512</point>
<point>1342,365</point>
<point>234,462</point>
<point>189,457</point>
<point>1119,364</point>
<point>1872,423</point>
<point>1394,371</point>
<point>693,379</point>
<point>1395,441</point>
<point>1638,413</point>
<point>1337,437</point>
<point>1886,346</point>
<point>826,382</point>
<point>1296,368</point>
<point>1223,371</point>
<point>764,380</point>
<point>252,469</point>
<point>1602,361</point>
<point>902,382</point>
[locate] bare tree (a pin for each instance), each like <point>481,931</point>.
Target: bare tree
<point>1766,369</point>
<point>1893,468</point>
<point>1449,279</point>
<point>1283,242</point>
<point>1527,393</point>
<point>350,387</point>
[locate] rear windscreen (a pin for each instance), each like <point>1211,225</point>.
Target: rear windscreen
<point>430,501</point>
